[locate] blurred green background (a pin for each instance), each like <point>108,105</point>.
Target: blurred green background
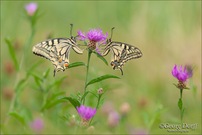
<point>167,32</point>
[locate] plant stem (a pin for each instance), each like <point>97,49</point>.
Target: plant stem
<point>99,97</point>
<point>13,102</point>
<point>87,69</point>
<point>182,109</point>
<point>181,90</point>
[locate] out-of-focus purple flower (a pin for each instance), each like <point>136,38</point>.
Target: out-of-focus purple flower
<point>181,73</point>
<point>113,119</point>
<point>85,112</point>
<point>8,67</point>
<point>31,8</point>
<point>107,108</point>
<point>189,70</point>
<point>37,125</point>
<point>125,108</point>
<point>138,131</point>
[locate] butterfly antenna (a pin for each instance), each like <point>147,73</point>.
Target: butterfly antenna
<point>112,32</point>
<point>71,27</point>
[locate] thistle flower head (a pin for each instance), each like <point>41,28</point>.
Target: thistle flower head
<point>86,113</point>
<point>94,36</point>
<point>182,73</point>
<point>31,8</point>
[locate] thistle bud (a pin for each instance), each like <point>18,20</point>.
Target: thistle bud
<point>100,91</point>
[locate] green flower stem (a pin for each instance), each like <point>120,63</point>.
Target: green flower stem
<point>181,90</point>
<point>87,69</point>
<point>98,102</point>
<point>13,102</point>
<point>181,106</point>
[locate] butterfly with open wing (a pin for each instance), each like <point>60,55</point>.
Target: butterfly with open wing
<point>121,53</point>
<point>57,50</point>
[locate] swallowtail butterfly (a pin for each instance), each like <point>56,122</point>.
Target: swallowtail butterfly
<point>57,50</point>
<point>122,52</point>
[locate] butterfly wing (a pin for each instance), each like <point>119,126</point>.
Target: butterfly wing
<point>57,51</point>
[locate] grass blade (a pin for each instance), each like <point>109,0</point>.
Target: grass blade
<point>12,53</point>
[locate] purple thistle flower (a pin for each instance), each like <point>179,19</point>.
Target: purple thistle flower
<point>95,35</point>
<point>85,112</point>
<point>182,74</point>
<point>81,35</point>
<point>31,8</point>
<point>37,125</point>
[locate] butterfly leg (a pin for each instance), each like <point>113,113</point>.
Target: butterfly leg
<point>121,71</point>
<point>54,72</point>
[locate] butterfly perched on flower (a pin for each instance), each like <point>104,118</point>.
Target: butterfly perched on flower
<point>121,53</point>
<point>57,50</point>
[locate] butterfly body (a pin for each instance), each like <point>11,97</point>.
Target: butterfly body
<point>57,50</point>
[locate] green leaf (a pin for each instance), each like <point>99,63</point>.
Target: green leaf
<point>102,58</point>
<point>18,117</point>
<point>76,64</point>
<point>53,100</point>
<point>45,74</point>
<point>101,78</point>
<point>29,71</point>
<point>56,83</point>
<point>38,80</point>
<point>21,84</point>
<point>56,95</point>
<point>73,101</point>
<point>180,104</point>
<point>51,104</point>
<point>37,77</point>
<point>84,95</point>
<point>12,53</point>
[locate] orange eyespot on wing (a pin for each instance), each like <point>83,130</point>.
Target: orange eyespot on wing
<point>66,65</point>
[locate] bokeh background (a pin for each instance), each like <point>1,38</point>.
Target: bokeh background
<point>167,32</point>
